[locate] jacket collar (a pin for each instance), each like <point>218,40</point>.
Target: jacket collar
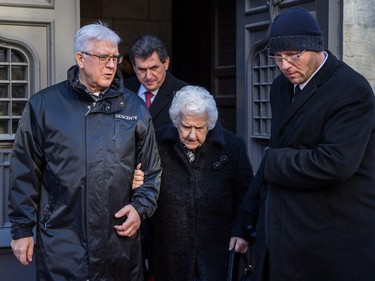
<point>115,89</point>
<point>112,99</point>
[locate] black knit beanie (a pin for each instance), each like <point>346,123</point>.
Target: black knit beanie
<point>295,29</point>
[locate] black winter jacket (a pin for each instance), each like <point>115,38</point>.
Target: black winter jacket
<point>71,171</point>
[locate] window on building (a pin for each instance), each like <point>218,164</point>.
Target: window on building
<point>14,89</point>
<point>264,72</point>
<point>15,85</point>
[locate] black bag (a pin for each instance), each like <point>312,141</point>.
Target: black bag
<point>239,268</point>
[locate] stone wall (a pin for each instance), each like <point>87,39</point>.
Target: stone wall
<point>359,37</point>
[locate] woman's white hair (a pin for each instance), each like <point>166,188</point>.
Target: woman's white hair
<point>193,100</point>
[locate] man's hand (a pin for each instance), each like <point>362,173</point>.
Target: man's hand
<point>138,177</point>
<point>23,249</point>
<point>240,245</point>
<point>131,224</point>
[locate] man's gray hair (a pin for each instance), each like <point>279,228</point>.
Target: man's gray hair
<point>98,31</point>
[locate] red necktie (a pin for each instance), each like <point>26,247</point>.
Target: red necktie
<point>148,96</point>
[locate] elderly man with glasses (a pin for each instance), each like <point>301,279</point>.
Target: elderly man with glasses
<point>72,166</point>
<point>312,201</point>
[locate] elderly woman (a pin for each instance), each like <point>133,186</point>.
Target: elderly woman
<point>206,174</point>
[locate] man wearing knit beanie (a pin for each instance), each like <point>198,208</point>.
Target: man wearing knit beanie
<point>317,178</point>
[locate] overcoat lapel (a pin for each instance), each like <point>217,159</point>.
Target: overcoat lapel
<point>163,97</point>
<point>286,129</point>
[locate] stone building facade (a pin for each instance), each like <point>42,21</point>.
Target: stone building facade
<point>359,38</point>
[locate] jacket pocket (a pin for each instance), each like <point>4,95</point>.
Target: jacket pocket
<point>322,211</point>
<point>54,196</point>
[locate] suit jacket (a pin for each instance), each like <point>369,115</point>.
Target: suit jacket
<point>160,106</point>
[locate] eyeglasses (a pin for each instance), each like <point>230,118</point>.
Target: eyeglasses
<point>294,58</point>
<point>105,58</point>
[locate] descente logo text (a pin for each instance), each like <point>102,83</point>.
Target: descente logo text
<point>125,117</point>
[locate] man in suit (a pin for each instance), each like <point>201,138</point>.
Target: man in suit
<point>156,86</point>
<point>149,57</point>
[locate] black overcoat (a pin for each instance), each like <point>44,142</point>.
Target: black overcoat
<point>317,218</point>
<point>199,204</point>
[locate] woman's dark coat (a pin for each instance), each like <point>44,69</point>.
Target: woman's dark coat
<point>71,171</point>
<point>199,204</point>
<point>317,214</point>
